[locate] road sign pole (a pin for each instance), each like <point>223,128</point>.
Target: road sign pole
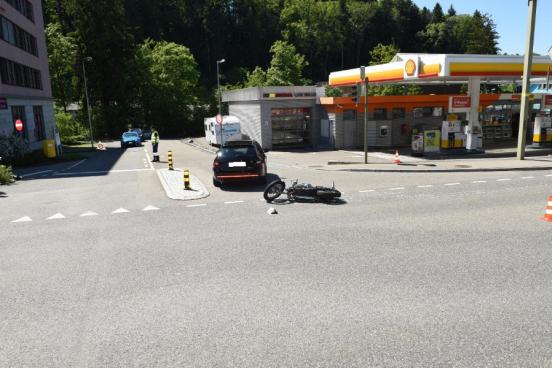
<point>365,120</point>
<point>527,66</point>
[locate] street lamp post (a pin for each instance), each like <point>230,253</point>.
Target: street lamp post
<point>219,97</point>
<point>87,59</point>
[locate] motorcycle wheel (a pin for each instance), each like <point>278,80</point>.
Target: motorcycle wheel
<point>327,195</point>
<point>274,190</point>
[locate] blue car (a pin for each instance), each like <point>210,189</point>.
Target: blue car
<point>130,139</point>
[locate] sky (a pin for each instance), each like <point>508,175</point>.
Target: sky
<point>510,17</point>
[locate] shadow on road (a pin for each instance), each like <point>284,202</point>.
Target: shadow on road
<point>249,185</point>
<point>91,163</point>
<point>3,195</point>
<point>285,201</point>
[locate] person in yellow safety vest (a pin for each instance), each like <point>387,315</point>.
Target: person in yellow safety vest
<point>155,144</point>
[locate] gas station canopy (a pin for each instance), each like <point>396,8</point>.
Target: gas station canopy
<point>407,68</point>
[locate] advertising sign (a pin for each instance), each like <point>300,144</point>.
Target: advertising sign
<point>461,101</point>
<point>432,140</point>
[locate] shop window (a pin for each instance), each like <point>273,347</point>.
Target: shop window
<point>422,112</point>
<point>38,114</point>
<point>291,126</point>
<point>349,114</point>
<point>398,113</point>
<point>437,111</point>
<point>380,114</point>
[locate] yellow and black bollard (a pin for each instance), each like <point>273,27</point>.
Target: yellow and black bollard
<point>170,160</point>
<point>187,180</point>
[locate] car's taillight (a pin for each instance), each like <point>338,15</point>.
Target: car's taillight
<point>216,163</point>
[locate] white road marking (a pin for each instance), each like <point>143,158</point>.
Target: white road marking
<point>548,175</point>
<point>367,191</point>
<point>148,158</point>
<point>450,184</point>
<point>504,179</point>
<point>197,205</point>
<point>57,216</point>
<point>89,213</point>
<point>23,219</point>
<point>36,173</point>
<point>120,210</point>
<point>397,188</point>
<point>527,177</point>
<point>424,186</point>
<point>479,181</point>
<point>232,202</point>
<point>150,208</point>
<point>74,165</point>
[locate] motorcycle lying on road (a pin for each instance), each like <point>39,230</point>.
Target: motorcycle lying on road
<point>301,190</point>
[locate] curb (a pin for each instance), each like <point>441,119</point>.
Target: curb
<point>176,192</point>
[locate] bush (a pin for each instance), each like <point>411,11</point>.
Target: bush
<point>70,131</point>
<point>6,175</point>
<point>13,148</point>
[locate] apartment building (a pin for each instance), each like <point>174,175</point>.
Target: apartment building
<point>25,91</point>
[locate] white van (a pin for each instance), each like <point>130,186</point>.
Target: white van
<point>230,129</point>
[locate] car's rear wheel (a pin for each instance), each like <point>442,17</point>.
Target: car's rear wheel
<point>274,190</point>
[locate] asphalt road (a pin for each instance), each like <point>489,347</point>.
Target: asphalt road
<point>413,270</point>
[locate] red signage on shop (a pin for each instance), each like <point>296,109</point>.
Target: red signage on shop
<point>548,101</point>
<point>461,101</point>
<point>19,125</point>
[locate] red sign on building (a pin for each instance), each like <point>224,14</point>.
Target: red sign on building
<point>19,125</point>
<point>461,101</point>
<point>548,101</point>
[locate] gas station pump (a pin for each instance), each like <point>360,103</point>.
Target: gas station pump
<point>542,131</point>
<point>474,136</point>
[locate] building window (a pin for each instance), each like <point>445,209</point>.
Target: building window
<point>380,114</point>
<point>24,7</point>
<point>18,113</point>
<point>15,74</point>
<point>38,114</point>
<point>422,112</point>
<point>17,36</point>
<point>349,114</point>
<point>397,113</point>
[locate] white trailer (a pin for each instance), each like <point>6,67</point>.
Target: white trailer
<point>230,129</point>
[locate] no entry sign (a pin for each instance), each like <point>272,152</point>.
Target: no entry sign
<point>19,125</point>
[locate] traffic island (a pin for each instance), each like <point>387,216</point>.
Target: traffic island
<point>173,184</point>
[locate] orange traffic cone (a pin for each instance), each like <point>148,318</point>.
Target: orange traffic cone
<point>548,211</point>
<point>397,157</point>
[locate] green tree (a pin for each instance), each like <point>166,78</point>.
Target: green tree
<point>286,66</point>
<point>168,88</point>
<point>62,51</point>
<point>451,11</point>
<point>382,54</point>
<point>437,14</point>
<point>482,36</point>
<point>256,78</point>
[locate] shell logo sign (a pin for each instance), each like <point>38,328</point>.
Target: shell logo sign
<point>410,67</point>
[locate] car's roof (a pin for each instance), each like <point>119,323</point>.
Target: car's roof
<point>238,142</point>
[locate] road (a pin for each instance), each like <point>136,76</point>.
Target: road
<point>414,270</point>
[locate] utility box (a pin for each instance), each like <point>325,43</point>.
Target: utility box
<point>49,148</point>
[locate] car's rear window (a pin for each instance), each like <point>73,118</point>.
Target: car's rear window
<point>130,135</point>
<point>239,151</point>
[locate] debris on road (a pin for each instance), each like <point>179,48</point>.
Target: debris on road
<point>272,211</point>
